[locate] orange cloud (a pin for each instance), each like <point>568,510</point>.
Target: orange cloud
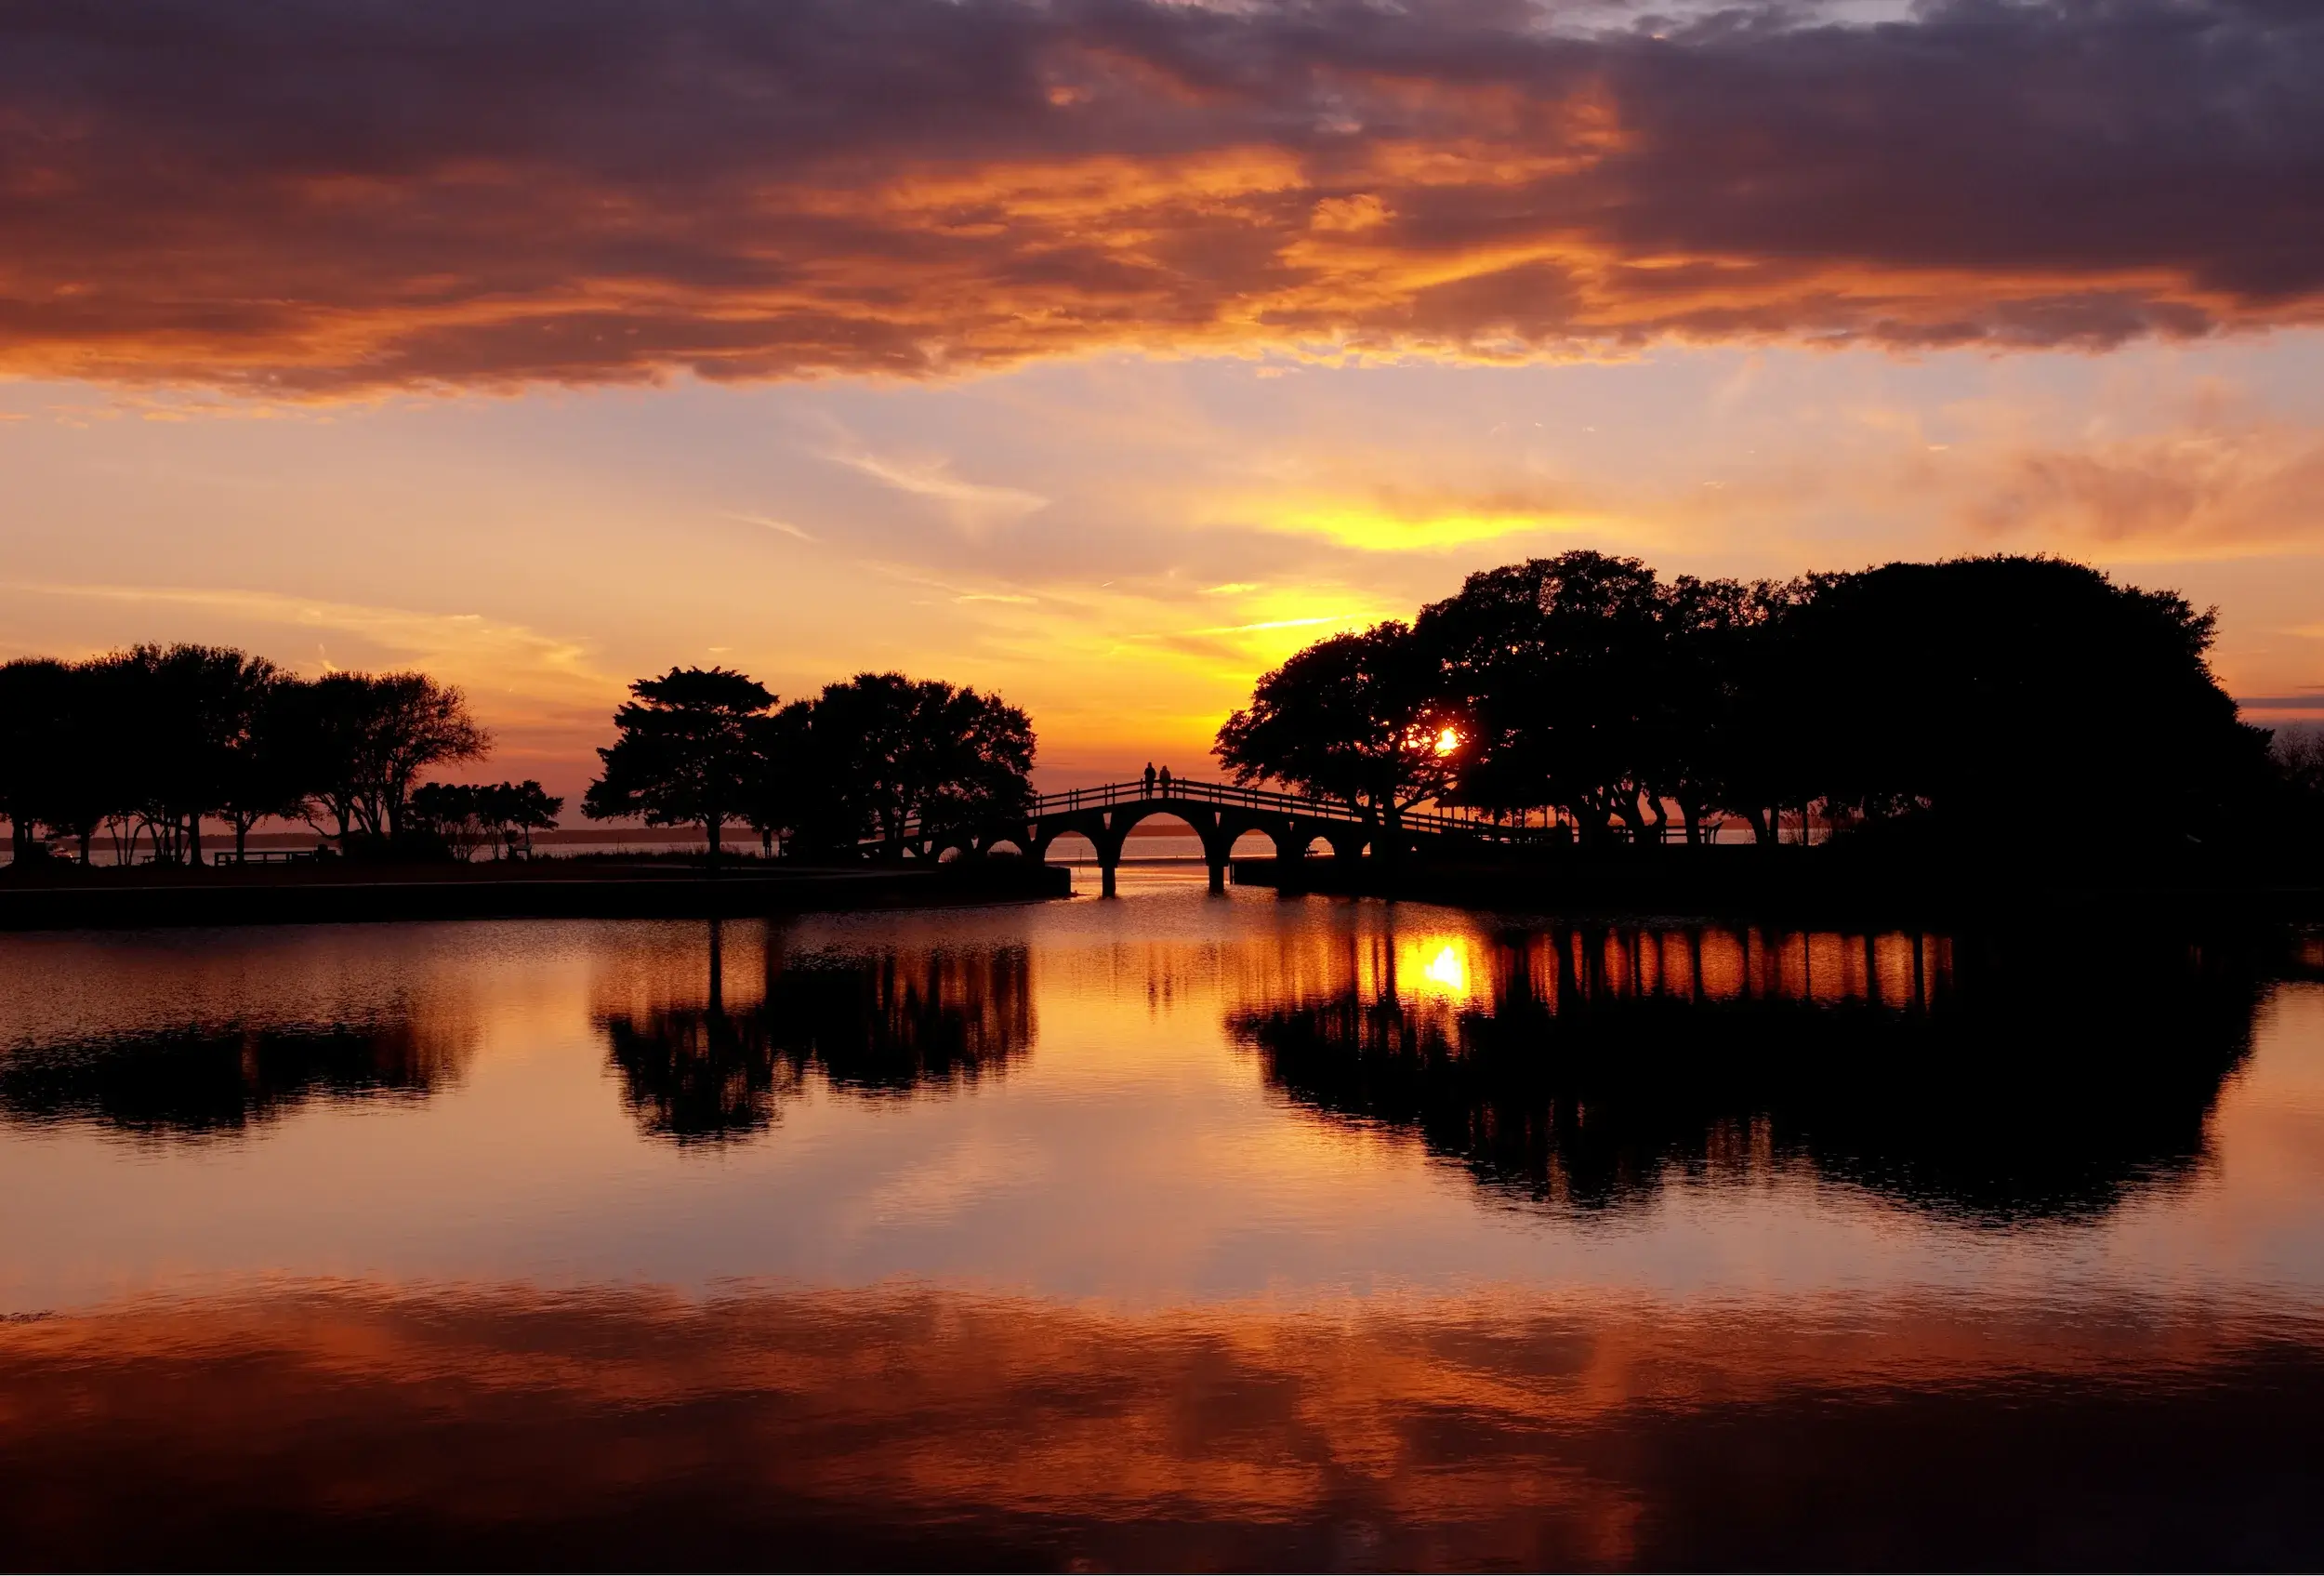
<point>2205,492</point>
<point>315,201</point>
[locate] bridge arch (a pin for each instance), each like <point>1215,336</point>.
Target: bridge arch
<point>1129,818</point>
<point>1272,840</point>
<point>1217,815</point>
<point>1203,823</point>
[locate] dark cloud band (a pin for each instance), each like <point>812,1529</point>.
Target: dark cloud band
<point>320,195</point>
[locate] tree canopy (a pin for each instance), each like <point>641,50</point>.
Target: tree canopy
<point>687,751</point>
<point>1972,699</point>
<point>471,817</point>
<point>1365,717</point>
<point>149,743</point>
<point>867,756</point>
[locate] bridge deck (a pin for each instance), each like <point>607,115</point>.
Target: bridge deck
<point>1182,792</point>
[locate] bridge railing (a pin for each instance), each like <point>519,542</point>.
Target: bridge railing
<point>1317,808</point>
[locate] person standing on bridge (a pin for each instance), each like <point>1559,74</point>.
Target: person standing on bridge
<point>1149,779</point>
<point>1166,782</point>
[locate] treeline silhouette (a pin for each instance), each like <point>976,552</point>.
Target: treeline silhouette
<point>466,819</point>
<point>2029,1076</point>
<point>141,746</point>
<point>711,747</point>
<point>2029,699</point>
<point>888,1025</point>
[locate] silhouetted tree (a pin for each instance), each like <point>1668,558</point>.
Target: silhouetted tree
<point>2012,697</point>
<point>1969,699</point>
<point>1558,660</point>
<point>1365,717</point>
<point>34,703</point>
<point>501,817</point>
<point>420,725</point>
<point>453,811</point>
<point>152,741</point>
<point>2299,757</point>
<point>204,740</point>
<point>329,720</point>
<point>102,755</point>
<point>1694,713</point>
<point>688,753</point>
<point>363,741</point>
<point>263,777</point>
<point>881,748</point>
<point>795,799</point>
<point>521,809</point>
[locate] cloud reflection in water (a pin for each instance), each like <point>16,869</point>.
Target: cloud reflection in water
<point>916,1426</point>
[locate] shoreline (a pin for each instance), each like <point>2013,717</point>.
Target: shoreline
<point>327,894</point>
<point>1701,882</point>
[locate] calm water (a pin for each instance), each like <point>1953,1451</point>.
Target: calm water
<point>1179,1230</point>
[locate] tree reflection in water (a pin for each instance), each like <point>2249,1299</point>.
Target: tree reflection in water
<point>891,1024</point>
<point>1994,1081</point>
<point>220,1080</point>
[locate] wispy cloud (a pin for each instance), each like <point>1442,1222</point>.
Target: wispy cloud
<point>973,502</point>
<point>1275,624</point>
<point>499,661</point>
<point>769,522</point>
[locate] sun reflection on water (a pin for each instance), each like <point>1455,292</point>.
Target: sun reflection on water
<point>1446,969</point>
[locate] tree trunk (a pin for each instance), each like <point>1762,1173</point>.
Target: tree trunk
<point>193,838</point>
<point>715,827</point>
<point>1626,807</point>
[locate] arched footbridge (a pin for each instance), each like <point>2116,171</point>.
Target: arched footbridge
<point>1219,814</point>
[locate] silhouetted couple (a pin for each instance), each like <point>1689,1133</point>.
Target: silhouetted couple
<point>1165,778</point>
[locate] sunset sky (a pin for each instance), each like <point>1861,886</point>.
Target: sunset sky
<point>1104,353</point>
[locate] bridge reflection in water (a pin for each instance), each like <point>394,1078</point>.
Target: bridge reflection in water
<point>1579,1069</point>
<point>709,1050</point>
